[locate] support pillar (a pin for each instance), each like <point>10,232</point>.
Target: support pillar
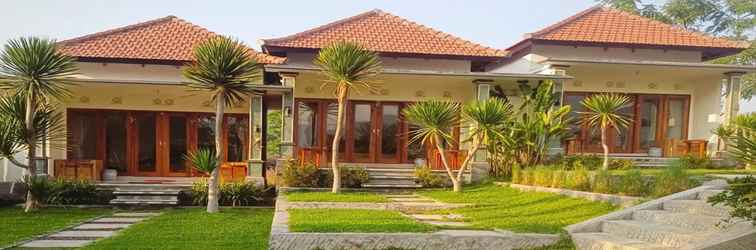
<point>287,113</point>
<point>479,167</point>
<point>731,96</point>
<point>256,136</point>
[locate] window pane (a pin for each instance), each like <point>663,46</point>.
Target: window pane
<point>83,136</point>
<point>147,142</point>
<point>115,140</point>
<point>206,132</point>
<point>676,119</point>
<point>362,130</point>
<point>390,131</point>
<point>178,143</point>
<point>649,110</point>
<point>237,132</point>
<point>333,109</point>
<point>307,134</point>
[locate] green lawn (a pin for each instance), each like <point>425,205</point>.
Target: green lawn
<point>243,228</point>
<point>509,209</point>
<point>15,225</point>
<point>352,220</point>
<point>331,197</point>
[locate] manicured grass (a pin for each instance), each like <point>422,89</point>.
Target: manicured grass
<point>15,225</point>
<point>331,197</point>
<point>509,209</point>
<point>244,228</point>
<point>352,220</point>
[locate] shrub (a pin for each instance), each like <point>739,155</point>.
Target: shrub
<point>740,195</point>
<point>240,193</point>
<point>558,179</point>
<point>574,162</point>
<point>542,176</point>
<point>673,179</point>
<point>691,161</point>
<point>621,164</point>
<point>526,177</point>
<point>426,178</point>
<point>579,180</point>
<point>516,174</point>
<point>295,175</point>
<point>77,192</point>
<point>231,193</point>
<point>351,177</point>
<point>633,184</point>
<point>39,187</point>
<point>602,182</point>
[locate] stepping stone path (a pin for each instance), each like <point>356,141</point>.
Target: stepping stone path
<point>88,232</point>
<point>413,202</point>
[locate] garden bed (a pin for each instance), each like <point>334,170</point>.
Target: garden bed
<point>618,200</point>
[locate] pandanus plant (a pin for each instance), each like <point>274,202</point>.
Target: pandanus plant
<point>225,68</point>
<point>603,110</point>
<point>346,66</point>
<point>33,69</point>
<point>435,120</point>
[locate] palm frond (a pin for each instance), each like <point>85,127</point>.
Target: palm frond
<point>203,159</point>
<point>33,67</point>
<point>487,118</point>
<point>348,64</point>
<point>47,123</point>
<point>434,119</point>
<point>604,110</point>
<point>225,68</point>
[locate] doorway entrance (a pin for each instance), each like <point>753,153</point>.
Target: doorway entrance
<point>147,143</point>
<point>655,122</point>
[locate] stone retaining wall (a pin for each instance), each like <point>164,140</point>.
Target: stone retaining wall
<point>619,200</point>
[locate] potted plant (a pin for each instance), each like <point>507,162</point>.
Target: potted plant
<point>109,174</point>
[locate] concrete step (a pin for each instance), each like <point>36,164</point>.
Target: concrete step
<point>391,182</point>
<point>143,202</point>
<point>704,195</point>
<point>391,170</point>
<point>146,192</point>
<point>389,186</point>
<point>605,241</point>
<point>147,197</point>
<point>697,207</point>
<point>392,177</point>
<point>666,235</point>
<point>684,220</point>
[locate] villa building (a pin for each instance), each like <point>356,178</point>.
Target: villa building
<point>130,110</point>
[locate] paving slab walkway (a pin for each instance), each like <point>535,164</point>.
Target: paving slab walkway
<point>88,232</point>
<point>413,202</point>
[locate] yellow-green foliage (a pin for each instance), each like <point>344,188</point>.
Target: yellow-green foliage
<point>621,164</point>
<point>673,179</point>
<point>526,177</point>
<point>427,178</point>
<point>558,179</point>
<point>632,184</point>
<point>602,182</point>
<point>295,175</point>
<point>542,176</point>
<point>516,174</point>
<point>579,180</point>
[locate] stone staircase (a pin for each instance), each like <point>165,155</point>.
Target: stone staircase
<point>147,194</point>
<point>680,221</point>
<point>399,177</point>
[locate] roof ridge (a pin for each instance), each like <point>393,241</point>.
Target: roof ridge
<point>324,26</point>
<point>124,29</point>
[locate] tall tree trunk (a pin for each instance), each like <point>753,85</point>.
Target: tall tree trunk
<point>31,201</point>
<point>455,183</point>
<point>605,147</point>
<point>343,93</point>
<point>468,159</point>
<point>212,189</point>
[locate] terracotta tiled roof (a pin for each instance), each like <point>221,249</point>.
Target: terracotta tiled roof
<point>164,39</point>
<point>384,32</point>
<point>608,25</point>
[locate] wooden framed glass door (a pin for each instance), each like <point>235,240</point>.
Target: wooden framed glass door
<point>175,141</point>
<point>145,143</point>
<point>388,133</point>
<point>362,131</point>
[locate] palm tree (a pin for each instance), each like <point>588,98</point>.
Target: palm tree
<point>34,69</point>
<point>487,120</point>
<point>435,120</point>
<point>740,138</point>
<point>225,68</point>
<point>346,65</point>
<point>604,111</point>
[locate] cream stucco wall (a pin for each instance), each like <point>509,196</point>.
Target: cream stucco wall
<point>398,63</point>
<point>614,53</point>
<point>393,88</point>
